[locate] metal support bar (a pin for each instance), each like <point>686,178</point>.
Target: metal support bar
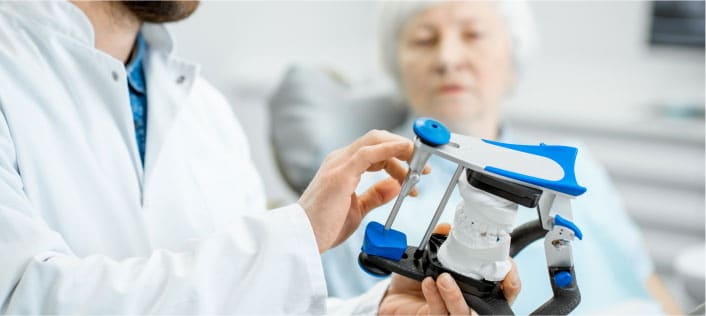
<point>440,208</point>
<point>557,242</point>
<point>393,212</point>
<point>416,167</point>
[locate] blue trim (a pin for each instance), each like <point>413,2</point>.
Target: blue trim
<point>558,220</point>
<point>565,156</point>
<point>380,242</point>
<point>431,131</point>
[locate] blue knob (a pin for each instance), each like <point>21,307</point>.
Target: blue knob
<point>562,279</point>
<point>386,243</point>
<point>431,131</point>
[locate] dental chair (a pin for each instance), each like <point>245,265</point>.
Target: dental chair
<point>314,111</point>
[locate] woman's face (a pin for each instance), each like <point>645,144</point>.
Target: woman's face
<point>455,62</point>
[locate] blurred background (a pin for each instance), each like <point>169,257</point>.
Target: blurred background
<point>626,78</point>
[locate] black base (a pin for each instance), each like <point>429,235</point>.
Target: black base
<point>485,297</point>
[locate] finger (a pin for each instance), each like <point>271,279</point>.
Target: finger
<point>443,229</point>
<point>393,167</point>
<point>403,285</point>
<point>378,194</point>
<point>452,296</point>
<point>424,310</point>
<point>511,285</point>
<point>434,301</point>
<point>374,137</point>
<point>367,156</point>
<point>426,170</point>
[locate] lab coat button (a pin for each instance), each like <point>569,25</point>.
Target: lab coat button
<point>180,80</point>
<point>115,75</point>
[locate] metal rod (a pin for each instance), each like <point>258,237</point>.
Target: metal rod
<point>393,212</point>
<point>440,208</point>
<point>410,181</point>
<point>414,173</point>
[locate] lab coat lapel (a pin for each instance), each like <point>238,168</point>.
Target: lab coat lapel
<point>169,82</point>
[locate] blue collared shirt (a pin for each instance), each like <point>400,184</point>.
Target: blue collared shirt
<point>138,94</point>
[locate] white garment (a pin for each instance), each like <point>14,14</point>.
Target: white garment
<point>83,230</point>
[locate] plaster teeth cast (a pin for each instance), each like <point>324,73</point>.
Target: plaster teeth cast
<point>479,243</point>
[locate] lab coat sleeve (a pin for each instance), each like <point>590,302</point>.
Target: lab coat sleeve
<point>250,269</point>
<point>365,304</point>
<point>264,263</point>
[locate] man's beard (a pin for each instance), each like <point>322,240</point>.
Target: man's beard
<point>161,11</point>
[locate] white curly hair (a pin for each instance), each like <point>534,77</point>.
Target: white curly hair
<point>394,14</point>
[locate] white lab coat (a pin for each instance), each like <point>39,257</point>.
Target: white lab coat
<point>83,229</point>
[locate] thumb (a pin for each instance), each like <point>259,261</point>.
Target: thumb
<point>511,285</point>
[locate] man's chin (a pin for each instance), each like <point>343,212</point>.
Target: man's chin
<point>161,11</point>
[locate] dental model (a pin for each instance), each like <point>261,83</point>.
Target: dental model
<point>494,178</point>
<point>479,243</point>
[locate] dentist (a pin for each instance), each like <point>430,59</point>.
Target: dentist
<point>126,184</point>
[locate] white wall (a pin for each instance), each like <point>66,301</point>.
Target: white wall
<point>593,65</point>
<point>594,59</point>
<point>255,41</point>
<point>592,55</point>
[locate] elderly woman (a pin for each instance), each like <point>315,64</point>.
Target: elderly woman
<point>456,61</point>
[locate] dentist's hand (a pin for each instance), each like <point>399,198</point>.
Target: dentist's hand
<point>330,201</point>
